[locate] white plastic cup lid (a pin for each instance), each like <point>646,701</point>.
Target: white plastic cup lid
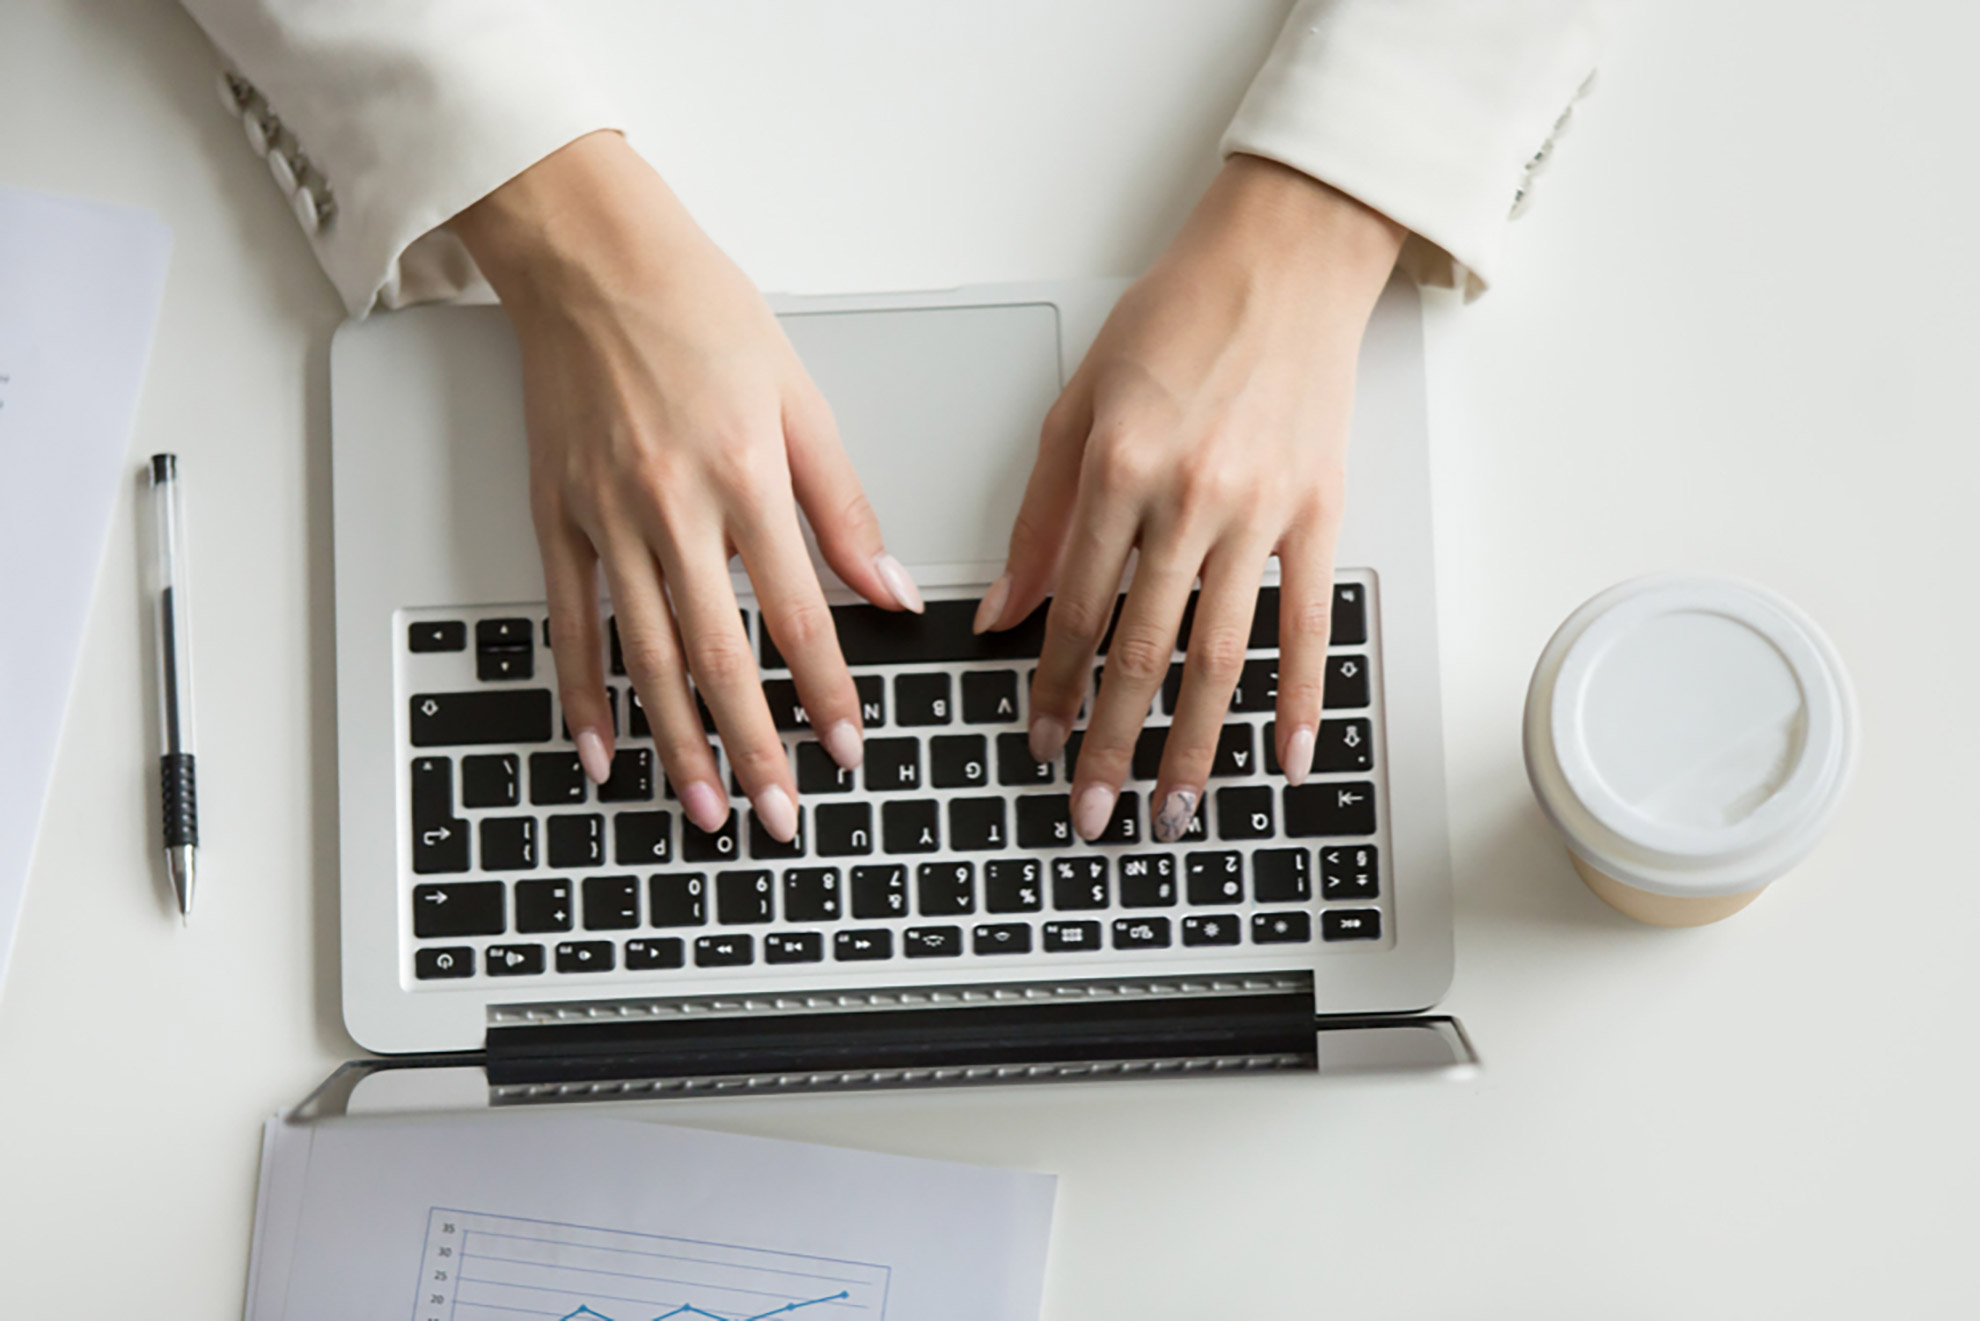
<point>1690,736</point>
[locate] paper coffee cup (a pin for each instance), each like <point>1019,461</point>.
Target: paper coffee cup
<point>1691,738</point>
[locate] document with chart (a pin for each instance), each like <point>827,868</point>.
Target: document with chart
<point>507,1217</point>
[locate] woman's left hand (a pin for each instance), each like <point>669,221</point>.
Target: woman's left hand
<point>1206,429</point>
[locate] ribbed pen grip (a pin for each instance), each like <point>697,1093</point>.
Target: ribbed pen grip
<point>181,797</point>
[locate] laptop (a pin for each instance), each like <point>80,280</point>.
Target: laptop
<point>936,921</point>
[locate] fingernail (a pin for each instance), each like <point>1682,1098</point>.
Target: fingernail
<point>592,756</point>
<point>779,817</point>
<point>1298,760</point>
<point>1178,810</point>
<point>1090,814</point>
<point>898,582</point>
<point>1048,736</point>
<point>845,745</point>
<point>704,806</point>
<point>992,608</point>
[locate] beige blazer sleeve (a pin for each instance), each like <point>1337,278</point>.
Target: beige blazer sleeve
<point>1436,113</point>
<point>382,119</point>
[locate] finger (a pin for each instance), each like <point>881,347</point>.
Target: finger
<point>800,623</point>
<point>1137,662</point>
<point>1217,640</point>
<point>1306,617</point>
<point>651,650</point>
<point>718,656</point>
<point>570,582</point>
<point>1039,532</point>
<point>841,518</point>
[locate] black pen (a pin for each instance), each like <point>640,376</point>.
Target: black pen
<point>175,704</point>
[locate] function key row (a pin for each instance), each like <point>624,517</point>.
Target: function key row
<point>874,944</point>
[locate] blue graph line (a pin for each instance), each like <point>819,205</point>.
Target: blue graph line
<point>689,1309</point>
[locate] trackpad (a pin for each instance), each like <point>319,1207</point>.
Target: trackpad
<point>939,409</point>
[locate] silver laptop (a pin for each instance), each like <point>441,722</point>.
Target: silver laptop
<point>937,920</point>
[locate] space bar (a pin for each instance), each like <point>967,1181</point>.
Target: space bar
<point>869,635</point>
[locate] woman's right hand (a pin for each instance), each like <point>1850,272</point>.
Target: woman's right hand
<point>672,426</point>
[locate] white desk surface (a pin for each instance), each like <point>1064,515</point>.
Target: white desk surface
<point>1734,333</point>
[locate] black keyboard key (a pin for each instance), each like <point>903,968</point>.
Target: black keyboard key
<point>724,951</point>
<point>892,764</point>
<point>618,652</point>
<point>1210,929</point>
<point>584,956</point>
<point>1079,883</point>
<point>576,841</point>
<point>990,697</point>
<point>1124,826</point>
<point>636,723</point>
<point>872,691</point>
<point>508,843</point>
<point>437,635</point>
<point>1042,822</point>
<point>513,960</point>
<point>931,942</point>
<point>1172,689</point>
<point>861,946</point>
<point>811,894</point>
<point>1330,809</point>
<point>448,962</point>
<point>1013,885</point>
<point>959,761</point>
<point>1236,753</point>
<point>1214,878</point>
<point>817,773</point>
<point>742,897</point>
<point>1341,745</point>
<point>544,906</point>
<point>843,830</point>
<point>785,708</point>
<point>869,635</point>
<point>880,891</point>
<point>493,715</point>
<point>640,839</point>
<point>1350,923</point>
<point>922,699</point>
<point>491,780</point>
<point>655,953</point>
<point>1258,686</point>
<point>763,844</point>
<point>464,908</point>
<point>439,838</point>
<point>611,903</point>
<point>1014,763</point>
<point>1281,928</point>
<point>631,780</point>
<point>976,823</point>
<point>1281,876</point>
<point>1265,620</point>
<point>1350,616</point>
<point>1347,682</point>
<point>909,826</point>
<point>697,845</point>
<point>1001,938</point>
<point>1148,745</point>
<point>1062,937</point>
<point>677,899</point>
<point>507,664</point>
<point>794,947</point>
<point>555,778</point>
<point>945,889</point>
<point>1074,741</point>
<point>1141,933</point>
<point>494,633</point>
<point>1349,872</point>
<point>1244,812</point>
<point>1148,880</point>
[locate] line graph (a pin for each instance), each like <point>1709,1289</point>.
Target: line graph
<point>479,1266</point>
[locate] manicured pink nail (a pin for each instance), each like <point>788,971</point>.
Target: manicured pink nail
<point>777,813</point>
<point>898,582</point>
<point>597,762</point>
<point>704,806</point>
<point>1298,760</point>
<point>1178,810</point>
<point>1092,812</point>
<point>1048,737</point>
<point>844,744</point>
<point>992,608</point>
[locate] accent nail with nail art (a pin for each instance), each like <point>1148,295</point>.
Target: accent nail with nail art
<point>1178,810</point>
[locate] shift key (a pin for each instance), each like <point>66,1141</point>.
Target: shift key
<point>497,715</point>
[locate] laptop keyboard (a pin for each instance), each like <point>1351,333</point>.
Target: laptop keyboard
<point>950,845</point>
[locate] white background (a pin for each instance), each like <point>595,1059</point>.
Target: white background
<point>1735,333</point>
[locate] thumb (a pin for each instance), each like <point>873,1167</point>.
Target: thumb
<point>832,498</point>
<point>1038,534</point>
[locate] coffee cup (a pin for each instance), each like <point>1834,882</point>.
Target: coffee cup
<point>1691,738</point>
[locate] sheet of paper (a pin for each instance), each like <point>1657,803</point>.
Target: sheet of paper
<point>505,1217</point>
<point>80,285</point>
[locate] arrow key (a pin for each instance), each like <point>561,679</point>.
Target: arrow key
<point>470,908</point>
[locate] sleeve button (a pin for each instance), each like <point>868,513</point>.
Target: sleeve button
<point>306,216</point>
<point>284,172</point>
<point>257,133</point>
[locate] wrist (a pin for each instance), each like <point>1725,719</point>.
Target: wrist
<point>1272,220</point>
